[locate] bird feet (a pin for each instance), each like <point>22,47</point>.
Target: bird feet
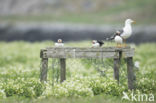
<point>121,45</point>
<point>124,45</point>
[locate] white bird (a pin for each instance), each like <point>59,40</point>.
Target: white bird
<point>122,35</point>
<point>127,30</point>
<point>59,43</point>
<point>97,43</point>
<point>118,40</point>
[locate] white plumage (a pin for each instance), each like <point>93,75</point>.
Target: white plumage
<point>59,44</point>
<point>121,35</point>
<point>95,44</point>
<point>127,30</point>
<point>118,39</point>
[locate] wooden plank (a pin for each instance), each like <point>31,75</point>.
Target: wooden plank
<point>128,47</point>
<point>103,49</point>
<point>130,73</point>
<point>44,69</point>
<point>62,69</point>
<point>73,52</point>
<point>62,54</point>
<point>128,53</point>
<point>55,53</point>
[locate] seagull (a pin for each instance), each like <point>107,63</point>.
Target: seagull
<point>97,43</point>
<point>125,33</point>
<point>59,43</point>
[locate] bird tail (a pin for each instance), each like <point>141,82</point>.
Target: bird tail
<point>111,38</point>
<point>100,42</point>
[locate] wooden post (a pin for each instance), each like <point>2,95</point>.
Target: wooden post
<point>130,73</point>
<point>44,69</point>
<point>62,69</point>
<point>116,69</point>
<point>117,66</point>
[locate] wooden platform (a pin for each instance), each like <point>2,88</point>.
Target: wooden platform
<point>73,52</point>
<point>76,52</point>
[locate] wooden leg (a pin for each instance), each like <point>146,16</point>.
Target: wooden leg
<point>44,69</point>
<point>124,43</point>
<point>63,69</point>
<point>117,62</point>
<point>130,73</point>
<point>116,69</point>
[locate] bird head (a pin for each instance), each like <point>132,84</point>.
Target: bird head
<point>129,21</point>
<point>118,33</point>
<point>94,41</point>
<point>59,40</point>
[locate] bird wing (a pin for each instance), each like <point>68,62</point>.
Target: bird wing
<point>121,31</point>
<point>112,37</point>
<point>118,32</point>
<point>100,42</point>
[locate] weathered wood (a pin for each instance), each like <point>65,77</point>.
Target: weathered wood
<point>75,52</point>
<point>117,66</point>
<point>62,69</point>
<point>80,54</point>
<point>130,73</point>
<point>44,69</point>
<point>82,49</point>
<point>67,52</point>
<point>117,62</point>
<point>116,69</point>
<point>128,53</point>
<point>90,48</point>
<point>42,53</point>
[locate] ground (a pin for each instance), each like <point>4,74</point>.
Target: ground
<point>20,69</point>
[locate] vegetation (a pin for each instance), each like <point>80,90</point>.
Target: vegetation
<point>20,69</point>
<point>139,10</point>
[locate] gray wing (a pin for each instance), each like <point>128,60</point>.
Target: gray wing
<point>118,32</point>
<point>100,42</point>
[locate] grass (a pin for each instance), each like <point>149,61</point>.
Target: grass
<point>97,99</point>
<point>20,66</point>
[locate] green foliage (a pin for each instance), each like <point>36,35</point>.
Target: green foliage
<point>107,86</point>
<point>20,68</point>
<point>23,87</point>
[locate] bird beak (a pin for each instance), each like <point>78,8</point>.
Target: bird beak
<point>134,22</point>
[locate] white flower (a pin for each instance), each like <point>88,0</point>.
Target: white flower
<point>137,64</point>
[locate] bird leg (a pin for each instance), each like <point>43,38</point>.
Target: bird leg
<point>118,45</point>
<point>124,43</point>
